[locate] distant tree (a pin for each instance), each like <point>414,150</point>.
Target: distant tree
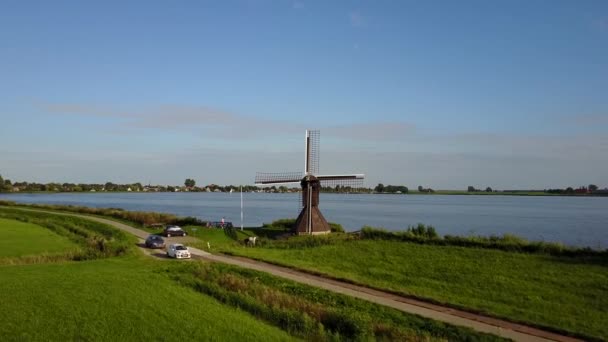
<point>189,183</point>
<point>379,188</point>
<point>283,188</point>
<point>569,190</point>
<point>420,188</point>
<point>170,188</point>
<point>471,188</point>
<point>592,187</point>
<point>488,189</point>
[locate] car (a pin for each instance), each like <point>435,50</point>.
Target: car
<point>219,224</point>
<point>155,241</point>
<point>178,251</point>
<point>174,231</point>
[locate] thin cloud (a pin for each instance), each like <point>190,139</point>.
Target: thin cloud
<point>587,119</point>
<point>373,132</point>
<point>78,109</point>
<point>297,5</point>
<point>356,19</point>
<point>177,118</point>
<point>601,24</point>
<point>202,119</point>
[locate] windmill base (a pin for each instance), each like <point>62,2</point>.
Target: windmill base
<point>319,224</point>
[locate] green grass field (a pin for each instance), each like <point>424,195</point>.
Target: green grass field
<point>24,238</point>
<point>114,292</point>
<point>567,294</point>
<point>122,299</point>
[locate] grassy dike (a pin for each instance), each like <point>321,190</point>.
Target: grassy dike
<point>23,238</point>
<point>563,293</point>
<point>105,292</point>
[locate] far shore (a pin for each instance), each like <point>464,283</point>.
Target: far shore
<point>417,193</point>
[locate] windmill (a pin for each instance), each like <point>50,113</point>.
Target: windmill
<point>310,220</point>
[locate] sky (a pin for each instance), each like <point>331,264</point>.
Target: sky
<point>443,94</point>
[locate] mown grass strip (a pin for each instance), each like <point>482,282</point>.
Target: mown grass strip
<point>23,238</point>
<point>312,313</point>
<point>95,240</point>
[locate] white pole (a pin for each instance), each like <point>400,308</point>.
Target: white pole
<point>306,153</point>
<point>309,228</point>
<point>241,208</point>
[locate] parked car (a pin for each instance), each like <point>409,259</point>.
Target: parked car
<point>178,251</point>
<point>219,224</point>
<point>155,241</point>
<point>174,231</point>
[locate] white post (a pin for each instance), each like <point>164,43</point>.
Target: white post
<point>306,153</point>
<point>241,208</point>
<point>309,227</point>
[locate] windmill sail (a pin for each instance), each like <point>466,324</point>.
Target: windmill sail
<point>349,182</point>
<point>313,149</point>
<point>277,177</point>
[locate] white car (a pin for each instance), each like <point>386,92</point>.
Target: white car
<point>178,251</point>
<point>174,231</point>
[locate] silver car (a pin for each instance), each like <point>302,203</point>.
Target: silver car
<point>155,241</point>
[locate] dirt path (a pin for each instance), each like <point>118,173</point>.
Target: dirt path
<point>517,332</point>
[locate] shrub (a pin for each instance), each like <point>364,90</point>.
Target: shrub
<point>511,243</point>
<point>286,223</point>
<point>336,227</point>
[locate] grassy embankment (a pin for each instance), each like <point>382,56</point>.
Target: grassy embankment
<point>547,285</point>
<point>550,286</point>
<point>21,238</point>
<point>127,296</point>
<point>543,284</point>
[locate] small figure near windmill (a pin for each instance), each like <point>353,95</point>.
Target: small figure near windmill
<point>310,221</point>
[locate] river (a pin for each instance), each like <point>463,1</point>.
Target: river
<point>576,221</point>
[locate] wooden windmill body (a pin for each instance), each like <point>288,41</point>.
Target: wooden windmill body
<point>311,220</point>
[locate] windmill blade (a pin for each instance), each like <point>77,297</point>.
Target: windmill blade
<point>313,149</point>
<point>341,177</point>
<point>350,183</point>
<point>278,178</point>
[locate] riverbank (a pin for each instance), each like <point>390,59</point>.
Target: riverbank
<point>222,301</point>
<point>411,192</point>
<point>565,292</point>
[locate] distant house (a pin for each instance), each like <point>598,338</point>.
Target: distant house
<point>92,190</point>
<point>16,189</point>
<point>129,189</point>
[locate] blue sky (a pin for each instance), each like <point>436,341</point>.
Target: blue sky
<point>445,94</point>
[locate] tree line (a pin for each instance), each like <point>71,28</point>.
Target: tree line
<point>391,189</point>
<point>190,185</point>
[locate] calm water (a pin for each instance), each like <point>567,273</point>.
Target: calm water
<point>579,221</point>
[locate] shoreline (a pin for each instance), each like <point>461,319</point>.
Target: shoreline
<point>414,193</point>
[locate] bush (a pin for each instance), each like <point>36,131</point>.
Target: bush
<point>286,223</point>
<point>336,227</point>
<point>419,232</point>
<point>511,243</point>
